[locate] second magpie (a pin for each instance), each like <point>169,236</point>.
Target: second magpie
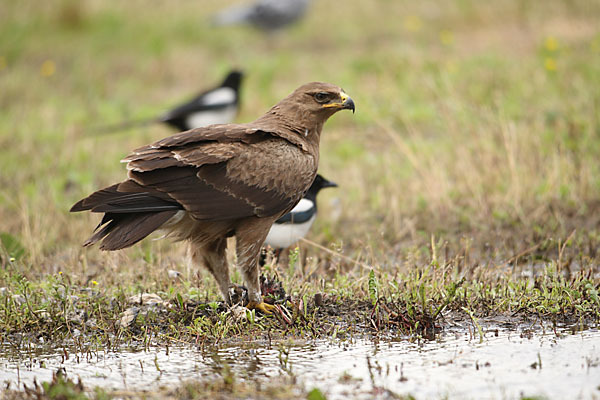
<point>294,225</point>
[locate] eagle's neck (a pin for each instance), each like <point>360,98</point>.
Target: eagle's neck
<point>294,125</point>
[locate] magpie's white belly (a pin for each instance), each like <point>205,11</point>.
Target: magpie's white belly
<point>282,236</point>
<point>205,118</point>
<point>222,95</point>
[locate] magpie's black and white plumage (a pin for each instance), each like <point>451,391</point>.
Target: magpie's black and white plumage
<point>267,15</point>
<point>294,225</point>
<point>219,105</point>
<point>214,106</point>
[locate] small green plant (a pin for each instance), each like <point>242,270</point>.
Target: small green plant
<point>373,287</point>
<point>293,260</point>
<point>315,394</point>
<point>251,316</point>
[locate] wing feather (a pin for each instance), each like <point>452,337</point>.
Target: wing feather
<point>202,200</point>
<point>223,171</point>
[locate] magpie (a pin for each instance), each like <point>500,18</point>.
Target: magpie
<point>294,225</point>
<point>214,106</point>
<point>267,15</point>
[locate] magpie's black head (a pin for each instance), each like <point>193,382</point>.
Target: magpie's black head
<point>318,184</point>
<point>233,80</point>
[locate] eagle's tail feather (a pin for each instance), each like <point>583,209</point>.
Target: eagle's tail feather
<point>118,231</point>
<point>131,212</point>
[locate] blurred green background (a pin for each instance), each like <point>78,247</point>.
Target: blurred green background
<point>477,123</point>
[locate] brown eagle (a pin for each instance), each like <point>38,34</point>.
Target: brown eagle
<point>211,183</point>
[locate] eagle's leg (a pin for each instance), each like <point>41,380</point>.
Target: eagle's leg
<point>249,240</point>
<point>212,256</point>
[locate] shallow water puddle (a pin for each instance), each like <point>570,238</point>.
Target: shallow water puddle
<point>456,365</point>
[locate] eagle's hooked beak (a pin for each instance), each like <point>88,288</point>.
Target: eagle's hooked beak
<point>347,102</point>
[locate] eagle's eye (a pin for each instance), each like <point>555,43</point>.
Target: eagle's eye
<point>322,97</point>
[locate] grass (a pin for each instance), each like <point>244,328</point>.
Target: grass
<point>469,180</point>
<point>415,303</point>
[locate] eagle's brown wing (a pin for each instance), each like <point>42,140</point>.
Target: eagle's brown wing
<point>224,172</point>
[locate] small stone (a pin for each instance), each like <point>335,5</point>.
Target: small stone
<point>145,299</point>
<point>19,299</point>
<point>129,316</point>
<point>75,319</point>
<point>91,323</point>
<point>238,312</point>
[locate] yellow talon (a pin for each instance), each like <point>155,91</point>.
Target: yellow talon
<point>262,306</point>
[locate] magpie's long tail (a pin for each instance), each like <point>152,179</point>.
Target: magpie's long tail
<point>121,126</point>
<point>131,213</point>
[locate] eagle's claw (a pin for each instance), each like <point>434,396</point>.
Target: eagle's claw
<point>265,308</point>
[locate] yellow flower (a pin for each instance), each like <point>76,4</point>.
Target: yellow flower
<point>48,68</point>
<point>550,64</point>
<point>412,23</point>
<point>94,283</point>
<point>551,44</point>
<point>595,45</point>
<point>446,37</point>
<point>451,66</point>
<point>60,272</point>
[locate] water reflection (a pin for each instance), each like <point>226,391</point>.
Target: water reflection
<point>506,364</point>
